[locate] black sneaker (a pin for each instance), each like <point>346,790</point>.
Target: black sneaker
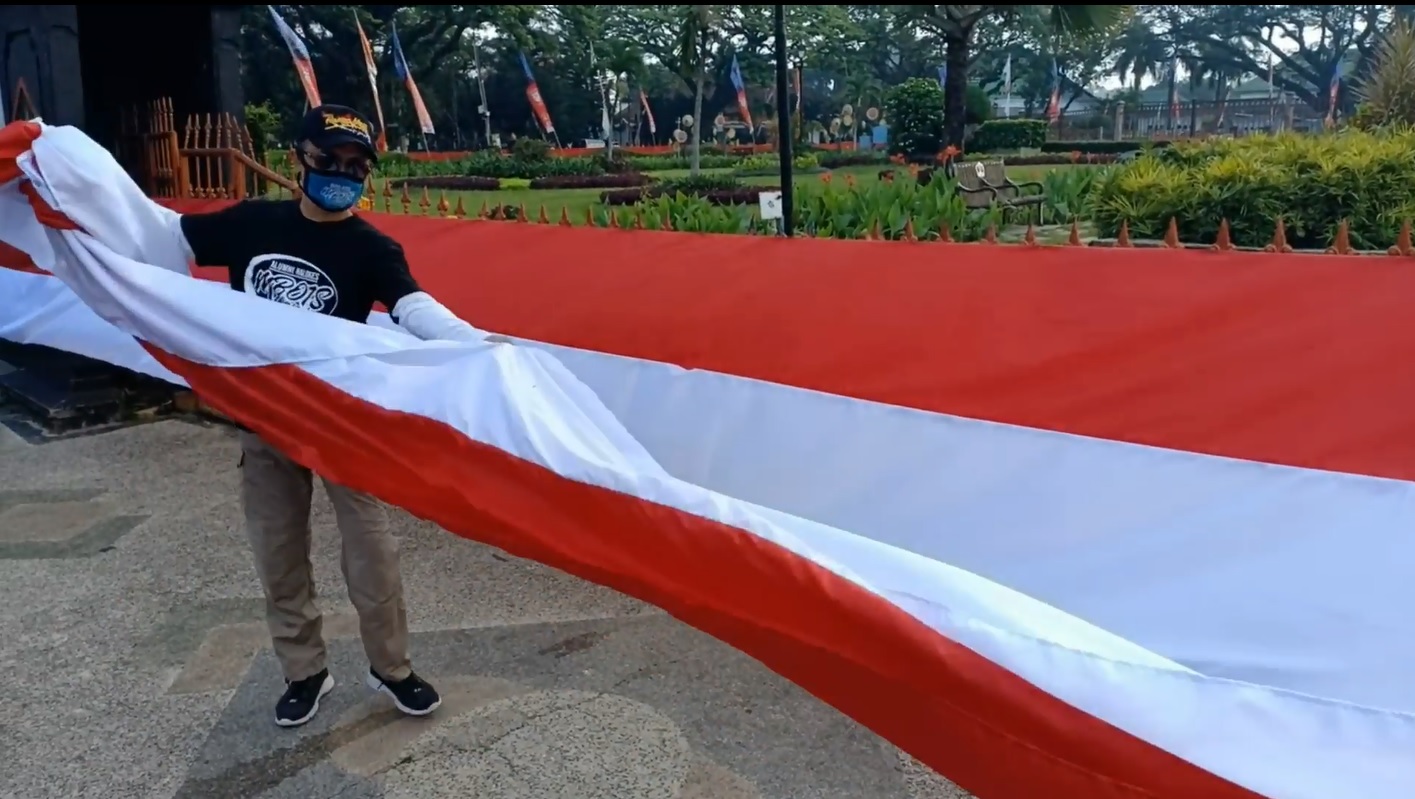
<point>412,695</point>
<point>300,701</point>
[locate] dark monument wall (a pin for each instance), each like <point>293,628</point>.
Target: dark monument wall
<point>86,65</point>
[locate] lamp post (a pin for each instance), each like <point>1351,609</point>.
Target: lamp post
<point>783,126</point>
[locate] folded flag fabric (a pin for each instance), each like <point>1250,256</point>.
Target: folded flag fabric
<point>1031,610</point>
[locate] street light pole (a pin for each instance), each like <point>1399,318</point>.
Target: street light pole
<point>783,126</point>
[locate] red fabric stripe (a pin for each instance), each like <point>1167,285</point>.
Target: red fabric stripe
<point>1293,359</point>
<point>987,729</point>
<point>14,258</point>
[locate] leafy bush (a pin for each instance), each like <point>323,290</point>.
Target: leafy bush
<point>530,150</point>
<point>264,124</point>
<point>1312,182</point>
<point>1058,159</point>
<point>843,209</point>
<point>806,161</point>
<point>1387,93</point>
<point>1101,146</point>
<point>1068,193</point>
<point>1008,135</point>
<point>834,208</point>
<point>916,117</point>
<point>699,183</point>
<point>665,163</point>
<point>742,195</point>
<point>759,163</point>
<point>977,105</point>
<point>770,164</point>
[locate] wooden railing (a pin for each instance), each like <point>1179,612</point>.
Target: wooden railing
<point>212,159</point>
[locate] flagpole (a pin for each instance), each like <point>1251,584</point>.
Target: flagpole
<point>481,89</point>
<point>1007,88</point>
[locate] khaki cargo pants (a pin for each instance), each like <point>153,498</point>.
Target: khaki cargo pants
<point>275,497</point>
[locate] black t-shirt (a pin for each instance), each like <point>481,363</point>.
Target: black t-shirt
<point>274,252</point>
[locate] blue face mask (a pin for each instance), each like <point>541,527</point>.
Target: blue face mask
<point>331,191</point>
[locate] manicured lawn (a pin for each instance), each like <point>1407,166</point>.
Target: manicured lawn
<point>577,202</point>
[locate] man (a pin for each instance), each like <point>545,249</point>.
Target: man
<point>315,253</point>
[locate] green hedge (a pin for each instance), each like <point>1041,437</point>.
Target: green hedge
<point>1008,135</point>
<point>1099,146</point>
<point>1311,182</point>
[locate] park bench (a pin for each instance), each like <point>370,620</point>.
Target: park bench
<point>984,183</point>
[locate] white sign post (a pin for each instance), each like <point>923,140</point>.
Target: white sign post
<point>769,204</point>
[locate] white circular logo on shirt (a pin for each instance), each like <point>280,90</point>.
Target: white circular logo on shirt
<point>291,281</point>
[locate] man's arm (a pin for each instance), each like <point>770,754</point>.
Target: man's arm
<point>414,309</point>
<point>209,239</point>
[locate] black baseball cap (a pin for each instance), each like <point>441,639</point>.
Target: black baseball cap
<point>328,126</point>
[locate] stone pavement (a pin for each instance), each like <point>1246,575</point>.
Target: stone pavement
<point>134,663</point>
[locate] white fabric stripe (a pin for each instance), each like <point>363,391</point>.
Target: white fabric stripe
<point>39,309</point>
<point>1279,744</point>
<point>1290,577</point>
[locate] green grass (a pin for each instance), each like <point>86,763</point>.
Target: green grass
<point>576,202</point>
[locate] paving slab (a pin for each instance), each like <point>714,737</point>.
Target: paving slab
<point>136,663</point>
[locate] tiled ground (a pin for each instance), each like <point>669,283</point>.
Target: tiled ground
<point>135,664</point>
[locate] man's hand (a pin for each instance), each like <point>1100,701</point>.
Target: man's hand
<point>497,338</point>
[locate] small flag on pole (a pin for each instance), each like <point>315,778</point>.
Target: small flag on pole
<point>300,55</point>
<point>537,102</point>
<point>371,66</point>
<point>648,112</point>
<point>400,68</point>
<point>1007,86</point>
<point>1054,103</point>
<point>741,88</point>
<point>1174,92</point>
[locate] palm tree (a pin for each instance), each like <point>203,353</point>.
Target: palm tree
<point>1142,53</point>
<point>956,25</point>
<point>695,36</point>
<point>626,62</point>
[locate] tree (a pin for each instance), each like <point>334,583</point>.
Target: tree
<point>695,38</point>
<point>1388,92</point>
<point>1306,44</point>
<point>957,25</point>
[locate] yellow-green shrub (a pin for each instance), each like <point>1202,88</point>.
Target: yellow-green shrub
<point>1311,181</point>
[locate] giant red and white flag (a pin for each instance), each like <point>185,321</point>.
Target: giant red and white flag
<point>1149,537</point>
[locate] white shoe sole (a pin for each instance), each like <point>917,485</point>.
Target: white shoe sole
<point>377,686</point>
<point>324,688</point>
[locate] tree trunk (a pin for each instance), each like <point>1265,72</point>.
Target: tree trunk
<point>697,139</point>
<point>955,89</point>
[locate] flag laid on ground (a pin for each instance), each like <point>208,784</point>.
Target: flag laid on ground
<point>741,88</point>
<point>1056,525</point>
<point>537,102</point>
<point>371,67</point>
<point>300,54</point>
<point>400,68</point>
